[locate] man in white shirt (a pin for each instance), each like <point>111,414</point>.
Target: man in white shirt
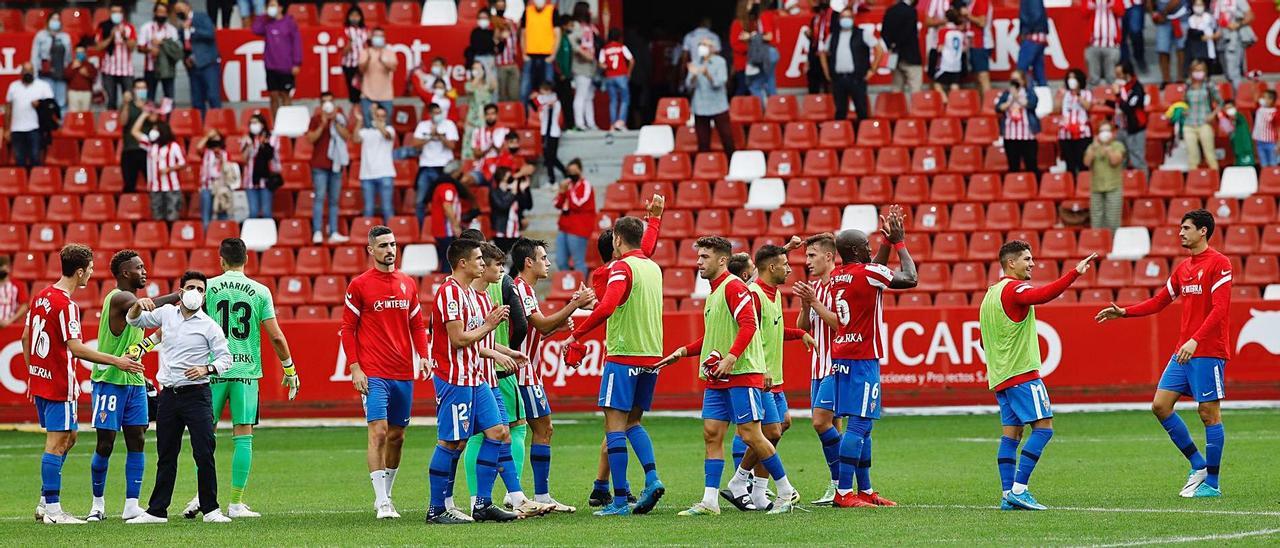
<point>24,121</point>
<point>437,136</point>
<point>377,166</point>
<point>190,338</point>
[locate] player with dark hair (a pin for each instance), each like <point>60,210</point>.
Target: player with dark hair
<point>1196,369</point>
<point>384,338</point>
<point>1007,318</point>
<point>51,344</point>
<point>732,368</point>
<point>120,395</point>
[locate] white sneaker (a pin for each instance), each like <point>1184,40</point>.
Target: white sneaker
<point>336,238</point>
<point>385,511</point>
<point>96,514</point>
<point>62,518</point>
<point>557,506</point>
<point>192,509</point>
<point>131,510</point>
<point>392,505</point>
<point>459,514</point>
<point>317,237</point>
<point>216,517</point>
<point>147,518</point>
<point>40,511</point>
<point>1194,480</point>
<point>241,510</point>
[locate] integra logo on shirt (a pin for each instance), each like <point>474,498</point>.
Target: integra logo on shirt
<point>849,338</point>
<point>1192,289</point>
<point>390,304</point>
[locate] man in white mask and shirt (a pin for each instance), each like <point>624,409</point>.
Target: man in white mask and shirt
<point>193,348</point>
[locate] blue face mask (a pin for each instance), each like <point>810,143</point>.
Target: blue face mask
<point>80,56</point>
<point>55,26</point>
<point>846,24</point>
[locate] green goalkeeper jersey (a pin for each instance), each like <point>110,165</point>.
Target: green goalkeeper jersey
<point>240,305</point>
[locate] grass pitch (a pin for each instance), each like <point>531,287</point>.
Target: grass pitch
<point>1108,478</point>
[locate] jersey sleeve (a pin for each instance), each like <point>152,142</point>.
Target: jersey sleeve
<point>352,305</point>
<point>649,242</point>
<point>266,305</point>
<point>616,290</point>
<point>1157,302</point>
<point>73,321</point>
<point>417,324</point>
<point>878,275</point>
<point>449,305</point>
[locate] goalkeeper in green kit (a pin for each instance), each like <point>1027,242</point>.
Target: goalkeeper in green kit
<point>241,305</point>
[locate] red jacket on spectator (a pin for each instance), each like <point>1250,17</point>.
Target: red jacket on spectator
<point>766,24</point>
<point>577,205</point>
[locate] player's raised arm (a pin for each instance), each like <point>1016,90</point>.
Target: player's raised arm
<point>653,224</point>
<point>1025,295</point>
<point>886,245</point>
<point>905,276</point>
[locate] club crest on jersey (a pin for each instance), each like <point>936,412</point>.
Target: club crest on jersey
<point>474,322</point>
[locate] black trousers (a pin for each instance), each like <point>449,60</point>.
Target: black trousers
<point>551,158</point>
<point>702,128</point>
<point>184,408</point>
<point>1073,153</point>
<point>133,164</point>
<point>220,12</point>
<point>817,80</point>
<point>1022,155</point>
<point>850,86</point>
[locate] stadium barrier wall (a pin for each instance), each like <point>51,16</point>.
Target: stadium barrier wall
<point>934,358</point>
<point>244,79</point>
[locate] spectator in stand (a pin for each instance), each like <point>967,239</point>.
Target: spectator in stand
<point>562,65</point>
<point>508,158</point>
<point>1165,14</point>
<point>508,200</point>
<point>1074,133</point>
<point>422,80</point>
<point>250,9</point>
<point>150,40</point>
<point>538,42</point>
<point>377,68</point>
<point>850,61</point>
<point>355,37</point>
<point>933,16</point>
<point>446,196</point>
<point>13,295</point>
<point>507,52</point>
<point>949,70</point>
<point>1203,103</point>
<point>549,114</point>
<point>1033,37</point>
<point>24,121</point>
<point>979,14</point>
<point>1131,114</point>
<point>282,51</point>
<point>818,30</point>
<point>751,35</point>
<point>1105,158</point>
<point>582,38</point>
<point>51,53</point>
<point>480,94</point>
<point>707,74</point>
<point>488,136</point>
<point>165,159</point>
<point>1103,51</point>
<point>1133,45</point>
<point>215,165</point>
<point>689,44</point>
<point>1264,129</point>
<point>377,166</point>
<point>901,34</point>
<point>482,46</point>
<point>1202,34</point>
<point>204,64</point>
<point>133,158</point>
<point>328,135</point>
<point>437,136</point>
<point>441,97</point>
<point>1233,16</point>
<point>576,201</point>
<point>617,62</point>
<point>80,78</point>
<point>219,12</point>
<point>261,151</point>
<point>1019,125</point>
<point>117,39</point>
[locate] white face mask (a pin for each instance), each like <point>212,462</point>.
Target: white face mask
<point>439,92</point>
<point>439,118</point>
<point>1231,111</point>
<point>1264,101</point>
<point>192,300</point>
<point>378,41</point>
<point>1198,75</point>
<point>273,11</point>
<point>255,128</point>
<point>704,52</point>
<point>141,94</point>
<point>1073,84</point>
<point>540,3</point>
<point>1104,136</point>
<point>1198,10</point>
<point>846,23</point>
<point>482,23</point>
<point>117,18</point>
<point>328,107</point>
<point>153,135</point>
<point>437,71</point>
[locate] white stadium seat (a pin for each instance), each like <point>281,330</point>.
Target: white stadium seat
<point>258,234</point>
<point>860,217</point>
<point>701,288</point>
<point>1271,293</point>
<point>655,141</point>
<point>746,165</point>
<point>1130,243</point>
<point>439,13</point>
<point>292,121</point>
<point>419,260</point>
<point>1238,182</point>
<point>767,194</point>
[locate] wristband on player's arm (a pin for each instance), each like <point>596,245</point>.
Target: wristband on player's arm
<point>900,245</point>
<point>287,364</point>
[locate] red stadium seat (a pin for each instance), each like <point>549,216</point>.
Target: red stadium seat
<point>1201,182</point>
<point>80,180</point>
<point>648,190</point>
<point>349,260</point>
<point>967,217</point>
<point>360,226</point>
<point>911,189</point>
<point>664,254</point>
<point>873,133</point>
<point>45,236</point>
<point>1258,210</point>
<point>63,207</point>
<point>783,163</point>
<point>965,159</point>
<point>1039,215</point>
<point>27,209</point>
<point>1094,240</point>
<point>909,132</point>
<point>76,125</point>
<point>781,109</point>
<point>1225,210</point>
<point>375,13</point>
<point>949,247</point>
<point>133,207</point>
<point>1057,244</point>
<point>311,312</point>
<point>1166,184</point>
<point>63,153</point>
<point>745,109</point>
<point>764,136</point>
<point>928,159</point>
<point>677,224</point>
<point>672,111</point>
<point>803,192</point>
<point>749,223</point>
<point>984,246</point>
<point>673,167</point>
<point>843,190</point>
<point>637,168</point>
<point>678,283</point>
<point>1260,270</point>
<point>98,152</point>
<point>1151,272</point>
<point>892,161</point>
<point>921,248</point>
<point>117,235</point>
<point>185,122</point>
<point>312,261</point>
<point>98,207</point>
<point>13,181</point>
<point>220,230</point>
<point>713,221</point>
<point>874,189</point>
<point>1114,274</point>
<point>1179,206</point>
<point>1270,242</point>
<point>983,188</point>
<point>927,104</point>
<point>110,180</point>
<point>995,161</point>
<point>405,13</point>
<point>817,107</point>
<point>969,277</point>
<point>857,161</point>
<point>823,219</point>
<point>1001,216</point>
<point>87,234</point>
<point>914,300</point>
<point>931,218</point>
<point>786,221</point>
<point>962,103</point>
<point>1147,212</point>
<point>947,189</point>
<point>710,166</point>
<point>945,132</point>
<point>188,235</point>
<point>951,299</point>
<point>151,235</point>
<point>1239,239</point>
<point>1019,187</point>
<point>1056,186</point>
<point>1097,296</point>
<point>511,114</point>
<point>223,120</point>
<point>1165,242</point>
<point>801,135</point>
<point>692,195</point>
<point>890,105</point>
<point>293,290</point>
<point>837,134</point>
<point>620,196</point>
<point>981,131</point>
<point>820,163</point>
<point>303,14</point>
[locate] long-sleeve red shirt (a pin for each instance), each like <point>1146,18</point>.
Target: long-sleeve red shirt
<point>577,207</point>
<point>1204,282</point>
<point>382,325</point>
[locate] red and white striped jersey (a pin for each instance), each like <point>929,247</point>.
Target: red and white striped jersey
<point>160,158</point>
<point>932,9</point>
<point>1017,125</point>
<point>358,37</point>
<point>1074,123</point>
<point>506,55</point>
<point>982,37</point>
<point>487,370</point>
<point>53,320</point>
<point>1105,31</point>
<point>856,289</point>
<point>820,30</point>
<point>528,375</point>
<point>118,59</point>
<point>1264,130</point>
<point>455,303</point>
<point>150,32</point>
<point>820,359</point>
<point>488,139</point>
<point>12,297</point>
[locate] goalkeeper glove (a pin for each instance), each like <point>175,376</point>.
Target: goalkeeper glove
<point>291,379</point>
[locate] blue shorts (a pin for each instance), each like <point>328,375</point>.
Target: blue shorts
<point>502,406</point>
<point>1200,378</point>
<point>739,404</point>
<point>388,400</point>
<point>462,411</point>
<point>535,401</point>
<point>775,407</point>
<point>624,387</point>
<point>1024,403</point>
<point>822,393</point>
<point>1165,42</point>
<point>980,59</point>
<point>857,388</point>
<point>116,406</point>
<point>56,416</point>
<point>259,7</point>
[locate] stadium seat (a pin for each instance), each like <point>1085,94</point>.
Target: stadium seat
<point>890,105</point>
<point>1270,241</point>
<point>1057,244</point>
<point>620,196</point>
<point>945,132</point>
<point>44,180</point>
<point>1147,212</point>
<point>360,226</point>
<point>98,207</point>
<point>931,218</point>
<point>117,235</point>
<point>1248,293</point>
<point>375,13</point>
<point>1201,182</point>
<point>746,165</point>
<point>1260,270</point>
<point>804,192</point>
<point>328,290</point>
<point>293,290</point>
<point>995,161</point>
<point>637,168</point>
<point>745,109</point>
<point>1237,182</point>
<point>76,125</point>
<point>27,209</point>
<point>962,103</point>
<point>928,159</point>
<point>712,222</point>
<point>950,299</point>
<point>817,107</point>
<point>968,277</point>
<point>1166,184</point>
<point>927,105</point>
<point>1039,214</point>
<point>909,132</point>
<point>258,234</point>
<point>780,109</point>
<point>677,224</point>
<point>786,221</point>
<point>110,180</point>
<point>185,122</point>
<point>893,161</point>
<point>13,181</point>
<point>967,217</point>
<point>87,234</point>
<point>913,300</point>
<point>911,189</point>
<point>1114,274</point>
<point>1225,210</point>
<point>767,194</point>
<point>1179,206</point>
<point>823,218</point>
<point>304,14</point>
<point>647,190</point>
<point>1019,187</point>
<point>672,111</point>
<point>677,283</point>
<point>80,180</point>
<point>1151,272</point>
<point>45,236</point>
<point>1258,210</point>
<point>1269,181</point>
<point>1091,240</point>
<point>801,135</point>
<point>13,237</point>
<point>1165,242</point>
<point>1000,216</point>
<point>859,217</point>
<point>983,188</point>
<point>674,167</point>
<point>1130,243</point>
<point>764,136</point>
<point>857,161</point>
<point>710,166</point>
<point>1239,239</point>
<point>655,140</point>
<point>873,133</point>
<point>747,223</point>
<point>277,262</point>
<point>949,247</point>
<point>821,163</point>
<point>783,163</point>
<point>965,159</point>
<point>981,131</point>
<point>220,230</point>
<point>843,190</point>
<point>311,313</point>
<point>1054,186</point>
<point>947,188</point>
<point>1096,296</point>
<point>63,207</point>
<point>420,260</point>
<point>133,207</point>
<point>874,188</point>
<point>836,134</point>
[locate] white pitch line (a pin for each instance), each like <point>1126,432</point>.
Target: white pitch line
<point>1172,540</point>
